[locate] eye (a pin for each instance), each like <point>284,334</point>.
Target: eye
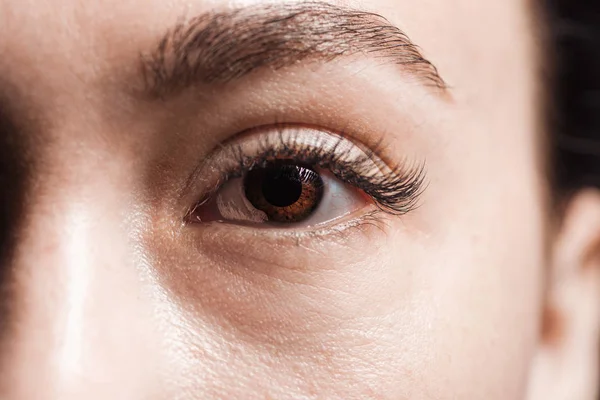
<point>282,193</point>
<point>301,177</point>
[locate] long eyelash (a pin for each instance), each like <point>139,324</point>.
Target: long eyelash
<point>394,190</point>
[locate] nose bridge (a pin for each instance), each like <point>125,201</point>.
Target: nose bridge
<point>75,318</point>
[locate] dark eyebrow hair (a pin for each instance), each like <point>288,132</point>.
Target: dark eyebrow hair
<point>219,47</point>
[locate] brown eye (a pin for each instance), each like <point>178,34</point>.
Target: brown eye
<point>285,192</point>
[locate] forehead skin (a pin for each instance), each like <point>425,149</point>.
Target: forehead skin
<point>105,303</point>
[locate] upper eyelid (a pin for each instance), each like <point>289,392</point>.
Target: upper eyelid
<point>284,133</point>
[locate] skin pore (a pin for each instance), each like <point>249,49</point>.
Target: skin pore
<point>121,124</point>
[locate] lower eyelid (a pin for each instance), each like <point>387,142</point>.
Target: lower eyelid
<point>354,228</point>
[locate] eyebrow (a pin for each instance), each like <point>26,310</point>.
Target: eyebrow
<point>219,47</point>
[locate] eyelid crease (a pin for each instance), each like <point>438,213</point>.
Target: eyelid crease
<point>395,189</point>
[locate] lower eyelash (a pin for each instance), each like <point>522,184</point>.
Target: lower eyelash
<point>394,190</point>
<point>362,224</point>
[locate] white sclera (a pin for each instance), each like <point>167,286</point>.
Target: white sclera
<point>234,206</point>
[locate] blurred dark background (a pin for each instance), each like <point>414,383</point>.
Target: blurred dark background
<point>575,100</point>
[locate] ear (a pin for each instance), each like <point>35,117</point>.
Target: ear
<point>567,363</point>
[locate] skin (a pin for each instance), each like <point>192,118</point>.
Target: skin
<point>480,293</point>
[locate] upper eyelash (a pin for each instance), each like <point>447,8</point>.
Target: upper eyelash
<point>395,190</point>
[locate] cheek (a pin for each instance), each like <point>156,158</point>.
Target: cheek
<point>486,301</point>
<point>310,317</point>
<point>484,262</point>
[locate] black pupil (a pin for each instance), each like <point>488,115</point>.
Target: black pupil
<point>282,185</point>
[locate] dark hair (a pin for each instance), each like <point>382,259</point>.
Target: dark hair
<point>574,33</point>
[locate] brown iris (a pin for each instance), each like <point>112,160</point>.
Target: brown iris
<point>284,191</point>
